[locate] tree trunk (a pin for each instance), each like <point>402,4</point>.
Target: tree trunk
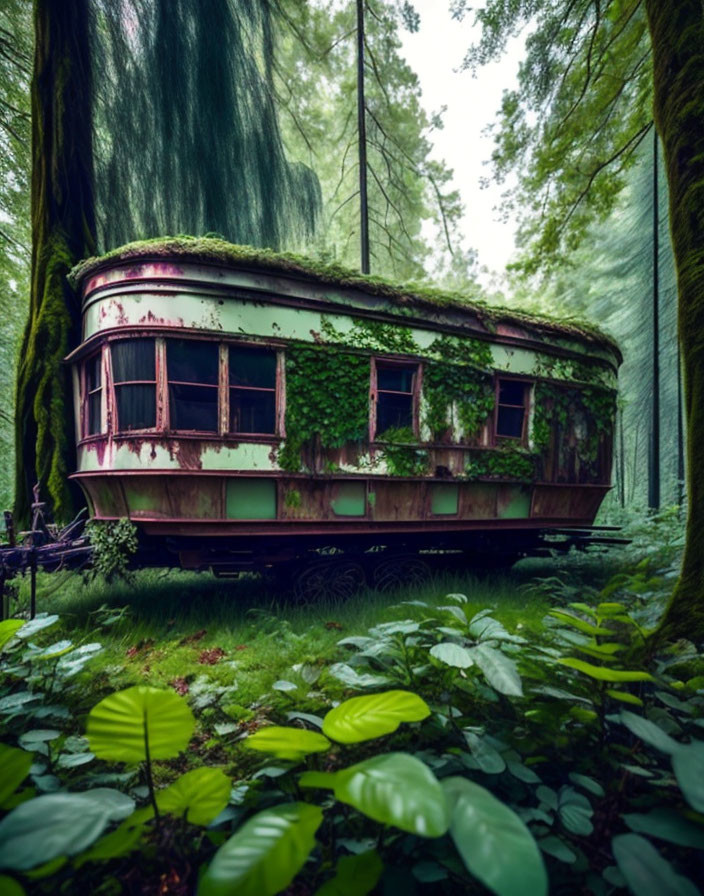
<point>63,229</point>
<point>677,35</point>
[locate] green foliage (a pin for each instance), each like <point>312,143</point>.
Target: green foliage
<point>571,128</point>
<point>365,718</point>
<point>327,401</point>
<point>481,826</point>
<point>502,463</point>
<point>114,542</point>
<point>470,391</point>
<point>265,854</point>
<point>139,725</point>
<point>288,743</point>
<point>558,408</point>
<point>371,334</point>
<point>402,453</point>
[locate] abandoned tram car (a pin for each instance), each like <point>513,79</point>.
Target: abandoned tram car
<point>249,411</point>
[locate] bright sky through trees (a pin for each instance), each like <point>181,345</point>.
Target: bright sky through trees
<point>435,53</point>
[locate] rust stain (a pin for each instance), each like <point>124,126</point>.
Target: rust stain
<point>188,454</point>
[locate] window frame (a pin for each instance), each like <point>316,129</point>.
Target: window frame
<point>156,382</point>
<point>168,382</point>
<point>278,390</point>
<point>527,385</point>
<point>86,394</point>
<point>417,382</point>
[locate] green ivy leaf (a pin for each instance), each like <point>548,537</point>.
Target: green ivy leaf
<point>287,743</point>
<point>495,845</point>
<point>395,789</point>
<point>58,824</point>
<point>688,765</point>
<point>367,717</point>
<point>123,726</point>
<point>198,796</point>
<point>265,854</point>
<point>354,875</point>
<point>15,765</point>
<point>646,872</point>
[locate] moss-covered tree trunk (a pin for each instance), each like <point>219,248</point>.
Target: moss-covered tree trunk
<point>677,34</point>
<point>63,230</point>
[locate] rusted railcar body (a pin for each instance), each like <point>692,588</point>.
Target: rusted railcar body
<point>184,403</point>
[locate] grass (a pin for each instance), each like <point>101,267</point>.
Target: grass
<point>177,628</point>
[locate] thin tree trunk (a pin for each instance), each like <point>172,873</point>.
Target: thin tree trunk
<point>677,34</point>
<point>63,229</point>
<point>362,142</point>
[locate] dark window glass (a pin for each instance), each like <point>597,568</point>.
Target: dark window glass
<point>133,360</point>
<point>188,361</point>
<point>511,392</point>
<point>192,369</point>
<point>252,411</point>
<point>134,379</point>
<point>136,407</point>
<point>394,397</point>
<point>252,367</point>
<point>511,409</point>
<point>252,390</point>
<point>193,408</point>
<point>94,391</point>
<point>395,379</point>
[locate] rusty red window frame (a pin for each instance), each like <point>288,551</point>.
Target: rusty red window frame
<point>525,407</point>
<point>115,385</point>
<point>169,382</point>
<point>276,389</point>
<point>414,393</point>
<point>86,394</point>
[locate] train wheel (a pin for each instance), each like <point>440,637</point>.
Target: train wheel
<point>337,580</point>
<point>400,572</point>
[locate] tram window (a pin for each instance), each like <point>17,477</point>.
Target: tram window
<point>252,373</point>
<point>395,392</point>
<point>93,395</point>
<point>134,379</point>
<point>511,409</point>
<point>192,370</point>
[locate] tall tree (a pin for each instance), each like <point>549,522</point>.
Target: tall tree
<point>594,72</point>
<point>410,200</point>
<point>148,117</point>
<point>15,139</point>
<point>63,231</point>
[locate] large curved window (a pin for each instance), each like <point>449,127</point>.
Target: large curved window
<point>134,379</point>
<point>192,370</point>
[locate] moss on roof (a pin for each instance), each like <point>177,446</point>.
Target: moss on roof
<point>408,295</point>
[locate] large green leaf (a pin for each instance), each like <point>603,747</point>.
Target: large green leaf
<point>395,789</point>
<point>354,875</point>
<point>198,796</point>
<point>126,726</point>
<point>8,629</point>
<point>498,669</point>
<point>688,764</point>
<point>58,824</point>
<point>648,732</point>
<point>576,622</point>
<point>9,886</point>
<point>495,845</point>
<point>38,624</point>
<point>15,766</point>
<point>667,824</point>
<point>646,872</point>
<point>363,718</point>
<point>600,673</point>
<point>265,854</point>
<point>452,654</point>
<point>287,743</point>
